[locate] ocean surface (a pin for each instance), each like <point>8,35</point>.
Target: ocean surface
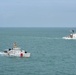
<point>50,54</point>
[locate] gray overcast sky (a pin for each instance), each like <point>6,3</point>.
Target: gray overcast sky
<point>37,13</point>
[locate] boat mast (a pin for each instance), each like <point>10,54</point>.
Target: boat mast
<point>14,45</point>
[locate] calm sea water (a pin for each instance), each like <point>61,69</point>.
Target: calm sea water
<point>50,54</point>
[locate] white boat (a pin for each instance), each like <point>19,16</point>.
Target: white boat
<point>71,36</point>
<point>15,52</point>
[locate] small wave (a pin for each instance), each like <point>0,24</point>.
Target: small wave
<point>64,73</point>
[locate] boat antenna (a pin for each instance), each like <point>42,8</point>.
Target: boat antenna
<point>73,31</point>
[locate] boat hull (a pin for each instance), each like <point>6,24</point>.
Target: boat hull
<point>71,36</point>
<point>68,38</point>
<point>15,55</point>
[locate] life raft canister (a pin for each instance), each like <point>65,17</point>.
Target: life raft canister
<point>21,55</point>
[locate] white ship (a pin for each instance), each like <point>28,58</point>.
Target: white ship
<point>71,36</point>
<point>15,52</point>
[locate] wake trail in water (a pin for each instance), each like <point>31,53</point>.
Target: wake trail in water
<point>2,53</point>
<point>45,38</point>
